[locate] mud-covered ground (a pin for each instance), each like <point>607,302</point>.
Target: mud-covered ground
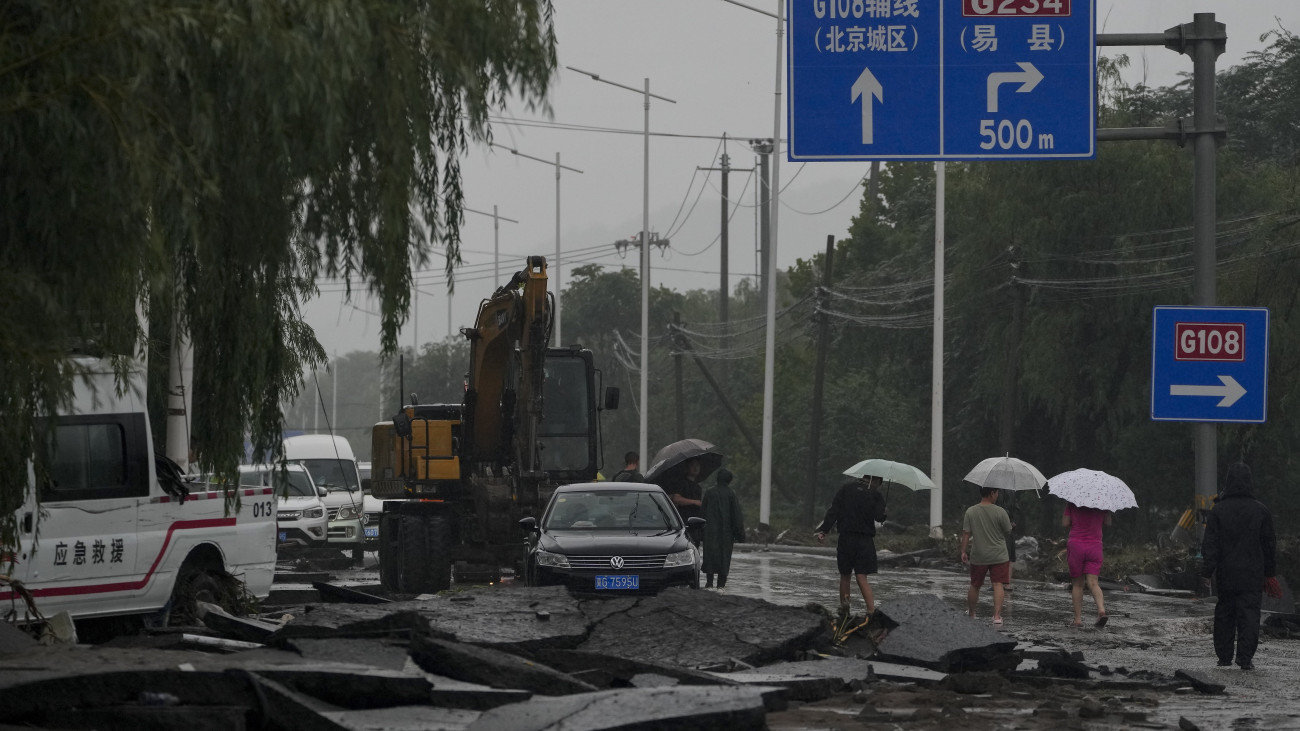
<point>1145,632</point>
<point>1149,637</point>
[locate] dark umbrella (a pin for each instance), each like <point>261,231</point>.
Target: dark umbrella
<point>671,460</point>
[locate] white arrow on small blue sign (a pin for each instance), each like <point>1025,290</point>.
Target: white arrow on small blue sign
<point>1209,364</point>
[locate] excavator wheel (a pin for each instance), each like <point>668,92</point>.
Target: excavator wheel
<point>426,548</point>
<point>390,552</point>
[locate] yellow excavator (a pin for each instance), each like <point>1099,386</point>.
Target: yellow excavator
<point>456,478</point>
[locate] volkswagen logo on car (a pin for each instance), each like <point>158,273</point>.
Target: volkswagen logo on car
<point>616,562</point>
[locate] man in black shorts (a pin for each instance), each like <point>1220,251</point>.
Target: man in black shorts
<point>855,510</point>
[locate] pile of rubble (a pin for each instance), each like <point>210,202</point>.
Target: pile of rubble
<point>514,657</point>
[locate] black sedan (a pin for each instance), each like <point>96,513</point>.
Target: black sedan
<point>611,537</point>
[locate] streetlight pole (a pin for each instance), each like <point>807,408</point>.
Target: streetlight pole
<point>558,318</point>
<point>769,354</point>
<point>643,444</point>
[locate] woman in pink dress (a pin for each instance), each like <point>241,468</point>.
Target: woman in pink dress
<point>1083,554</point>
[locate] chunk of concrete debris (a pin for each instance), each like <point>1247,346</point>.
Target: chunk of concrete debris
<point>492,667</point>
<point>240,628</point>
<point>623,669</point>
<point>933,635</point>
<point>1200,682</point>
<point>700,708</point>
<point>12,638</point>
<point>800,687</point>
<point>348,594</point>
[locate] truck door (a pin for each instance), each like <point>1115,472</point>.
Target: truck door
<point>84,548</point>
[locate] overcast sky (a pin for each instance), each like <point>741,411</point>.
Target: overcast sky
<point>717,61</point>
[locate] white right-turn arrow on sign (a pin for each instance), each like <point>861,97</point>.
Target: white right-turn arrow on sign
<point>1229,392</point>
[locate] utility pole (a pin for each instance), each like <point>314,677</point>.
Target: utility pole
<point>819,379</point>
<point>764,150</point>
<point>680,391</point>
<point>724,289</point>
<point>1011,372</point>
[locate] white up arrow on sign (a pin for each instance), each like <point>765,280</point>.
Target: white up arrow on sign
<point>1229,392</point>
<point>1028,77</point>
<point>867,87</point>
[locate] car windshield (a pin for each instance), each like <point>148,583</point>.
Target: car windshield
<point>611,509</point>
<point>333,474</point>
<point>294,483</point>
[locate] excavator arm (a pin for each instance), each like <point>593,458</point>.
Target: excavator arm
<point>503,394</point>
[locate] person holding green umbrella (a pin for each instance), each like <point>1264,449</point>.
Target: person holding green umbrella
<point>856,508</point>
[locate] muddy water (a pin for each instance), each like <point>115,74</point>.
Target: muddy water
<point>1145,632</point>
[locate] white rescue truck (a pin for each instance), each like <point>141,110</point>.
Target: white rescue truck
<point>108,538</point>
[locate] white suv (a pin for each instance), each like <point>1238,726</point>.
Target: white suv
<point>300,513</point>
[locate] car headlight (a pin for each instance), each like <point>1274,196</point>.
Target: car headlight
<point>554,560</point>
<point>313,513</point>
<point>681,558</point>
<point>348,512</point>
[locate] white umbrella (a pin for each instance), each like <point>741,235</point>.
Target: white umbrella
<point>892,472</point>
<point>1092,489</point>
<point>1006,473</point>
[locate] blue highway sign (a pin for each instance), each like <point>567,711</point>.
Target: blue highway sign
<point>1209,364</point>
<point>941,79</point>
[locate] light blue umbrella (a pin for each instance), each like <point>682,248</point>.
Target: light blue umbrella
<point>891,472</point>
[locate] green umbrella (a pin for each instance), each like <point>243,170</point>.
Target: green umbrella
<point>892,473</point>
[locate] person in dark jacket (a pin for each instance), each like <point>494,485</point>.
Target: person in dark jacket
<point>725,527</point>
<point>855,510</point>
<point>631,471</point>
<point>1239,551</point>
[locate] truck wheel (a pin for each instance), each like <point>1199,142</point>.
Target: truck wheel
<point>390,552</point>
<point>426,543</point>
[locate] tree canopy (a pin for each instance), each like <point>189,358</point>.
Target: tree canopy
<point>207,160</point>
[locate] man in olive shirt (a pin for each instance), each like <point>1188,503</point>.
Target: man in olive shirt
<point>988,524</point>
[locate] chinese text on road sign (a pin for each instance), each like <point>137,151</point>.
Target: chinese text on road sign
<point>941,79</point>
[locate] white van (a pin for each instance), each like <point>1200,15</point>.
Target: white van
<point>332,465</point>
<point>107,537</point>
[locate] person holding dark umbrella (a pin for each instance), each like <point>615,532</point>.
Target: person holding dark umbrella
<point>725,527</point>
<point>1240,551</point>
<point>687,494</point>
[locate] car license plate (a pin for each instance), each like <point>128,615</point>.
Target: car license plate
<point>372,532</point>
<point>284,536</point>
<point>619,581</point>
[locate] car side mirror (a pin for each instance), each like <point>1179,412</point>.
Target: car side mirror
<point>695,522</point>
<point>611,398</point>
<point>529,524</point>
<point>322,492</point>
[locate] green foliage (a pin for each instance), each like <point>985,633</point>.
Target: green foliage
<point>212,159</point>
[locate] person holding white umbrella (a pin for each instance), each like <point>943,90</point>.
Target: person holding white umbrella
<point>1091,496</point>
<point>855,510</point>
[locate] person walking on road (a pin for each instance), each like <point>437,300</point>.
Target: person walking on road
<point>1240,551</point>
<point>984,529</point>
<point>855,510</point>
<point>1084,557</point>
<point>725,527</point>
<point>631,471</point>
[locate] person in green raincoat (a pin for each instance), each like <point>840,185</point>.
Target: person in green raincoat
<point>725,526</point>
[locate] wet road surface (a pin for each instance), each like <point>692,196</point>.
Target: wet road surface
<point>1145,632</point>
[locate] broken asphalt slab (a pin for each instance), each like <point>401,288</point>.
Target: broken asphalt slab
<point>694,629</point>
<point>698,708</point>
<point>933,635</point>
<point>493,668</point>
<point>679,627</point>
